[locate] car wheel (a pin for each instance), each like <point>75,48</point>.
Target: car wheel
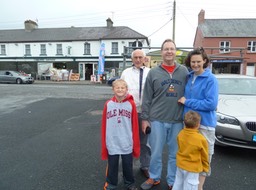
<point>18,81</point>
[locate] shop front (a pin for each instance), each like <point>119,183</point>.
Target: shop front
<point>227,66</point>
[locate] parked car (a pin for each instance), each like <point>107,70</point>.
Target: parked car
<point>236,111</point>
<point>112,79</point>
<point>7,76</point>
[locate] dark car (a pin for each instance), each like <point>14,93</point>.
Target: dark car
<point>236,111</point>
<point>16,77</point>
<point>112,79</point>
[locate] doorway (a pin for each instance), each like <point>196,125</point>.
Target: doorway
<point>88,71</point>
<point>85,71</point>
<point>250,69</point>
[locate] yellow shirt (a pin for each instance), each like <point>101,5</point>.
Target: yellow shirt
<point>192,152</point>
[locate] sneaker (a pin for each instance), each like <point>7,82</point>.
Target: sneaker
<point>149,184</point>
<point>132,188</point>
<point>170,187</point>
<point>106,187</point>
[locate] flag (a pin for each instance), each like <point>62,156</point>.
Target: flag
<point>101,59</point>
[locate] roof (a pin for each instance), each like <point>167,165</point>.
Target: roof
<point>228,28</point>
<point>69,34</point>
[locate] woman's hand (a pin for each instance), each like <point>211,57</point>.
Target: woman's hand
<point>182,100</point>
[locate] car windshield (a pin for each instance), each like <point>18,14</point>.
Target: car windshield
<point>241,86</point>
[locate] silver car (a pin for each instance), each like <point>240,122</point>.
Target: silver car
<point>7,76</point>
<point>236,112</point>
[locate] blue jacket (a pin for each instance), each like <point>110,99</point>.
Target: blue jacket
<point>202,97</point>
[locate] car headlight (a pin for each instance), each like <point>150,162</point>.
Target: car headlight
<point>221,118</point>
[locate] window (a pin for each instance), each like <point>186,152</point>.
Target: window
<point>59,49</point>
<point>114,48</point>
<point>224,47</point>
<point>87,48</point>
<point>130,49</point>
<point>27,50</point>
<point>251,46</point>
<point>69,50</point>
<point>3,50</point>
<point>43,49</point>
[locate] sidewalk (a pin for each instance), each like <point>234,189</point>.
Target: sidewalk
<point>81,82</point>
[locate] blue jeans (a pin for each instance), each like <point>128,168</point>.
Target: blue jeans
<point>161,134</point>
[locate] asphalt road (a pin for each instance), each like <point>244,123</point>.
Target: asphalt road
<point>50,140</point>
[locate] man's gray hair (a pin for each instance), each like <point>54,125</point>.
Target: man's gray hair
<point>144,54</point>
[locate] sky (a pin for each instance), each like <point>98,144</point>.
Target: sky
<point>152,18</point>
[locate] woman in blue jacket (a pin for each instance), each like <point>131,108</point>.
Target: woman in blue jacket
<point>201,95</point>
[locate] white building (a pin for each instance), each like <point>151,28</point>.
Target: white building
<point>34,49</point>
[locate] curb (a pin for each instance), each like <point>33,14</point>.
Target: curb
<point>68,82</point>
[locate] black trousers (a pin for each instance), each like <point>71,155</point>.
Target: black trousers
<point>112,171</point>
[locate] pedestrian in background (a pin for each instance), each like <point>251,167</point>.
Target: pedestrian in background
<point>201,95</point>
<point>135,77</point>
<point>120,136</point>
<point>192,155</point>
<point>164,85</point>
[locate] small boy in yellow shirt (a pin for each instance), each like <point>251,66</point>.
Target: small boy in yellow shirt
<point>192,155</point>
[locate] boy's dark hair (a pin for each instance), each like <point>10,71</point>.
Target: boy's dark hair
<point>197,51</point>
<point>192,119</point>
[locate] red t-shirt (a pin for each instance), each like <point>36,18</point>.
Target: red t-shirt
<point>168,68</point>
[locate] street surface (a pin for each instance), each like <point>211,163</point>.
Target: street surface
<point>50,140</point>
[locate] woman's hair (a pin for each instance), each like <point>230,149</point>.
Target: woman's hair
<point>192,119</point>
<point>197,51</point>
<point>167,40</point>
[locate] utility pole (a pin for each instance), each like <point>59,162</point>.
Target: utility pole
<point>173,20</point>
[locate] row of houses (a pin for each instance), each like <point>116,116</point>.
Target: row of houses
<point>35,50</point>
<point>230,44</point>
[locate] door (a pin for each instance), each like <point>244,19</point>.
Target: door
<point>88,71</point>
<point>235,68</point>
<point>81,71</point>
<point>85,70</point>
<point>250,69</point>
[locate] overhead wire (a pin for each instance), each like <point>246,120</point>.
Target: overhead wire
<point>160,28</point>
<point>157,10</point>
<point>160,11</point>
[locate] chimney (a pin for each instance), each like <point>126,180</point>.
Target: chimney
<point>109,23</point>
<point>201,17</point>
<point>30,25</point>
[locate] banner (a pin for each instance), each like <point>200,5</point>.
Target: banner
<point>101,59</point>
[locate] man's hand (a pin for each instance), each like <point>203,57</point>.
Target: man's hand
<point>144,126</point>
